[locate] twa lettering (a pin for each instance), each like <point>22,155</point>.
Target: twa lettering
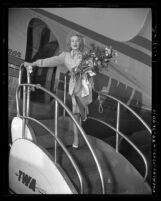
<point>27,180</point>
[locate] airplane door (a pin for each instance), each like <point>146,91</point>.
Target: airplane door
<point>41,43</point>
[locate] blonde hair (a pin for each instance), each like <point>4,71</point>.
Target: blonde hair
<point>81,42</point>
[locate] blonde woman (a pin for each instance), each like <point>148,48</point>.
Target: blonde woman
<point>81,96</point>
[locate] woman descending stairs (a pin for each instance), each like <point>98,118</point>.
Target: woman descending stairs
<point>42,158</point>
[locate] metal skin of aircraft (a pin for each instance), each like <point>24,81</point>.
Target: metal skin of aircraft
<point>35,33</point>
<point>127,31</point>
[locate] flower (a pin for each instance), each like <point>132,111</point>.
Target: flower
<point>94,60</point>
<point>97,58</point>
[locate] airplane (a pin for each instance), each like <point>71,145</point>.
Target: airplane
<point>35,33</point>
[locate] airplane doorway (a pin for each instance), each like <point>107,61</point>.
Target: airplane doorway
<point>41,43</point>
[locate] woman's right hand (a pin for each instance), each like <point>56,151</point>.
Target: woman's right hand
<point>26,64</point>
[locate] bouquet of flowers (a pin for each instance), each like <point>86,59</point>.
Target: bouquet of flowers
<point>93,61</point>
<point>96,59</point>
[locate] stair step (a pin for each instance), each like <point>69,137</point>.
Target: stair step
<point>87,166</point>
<point>115,167</point>
<point>120,176</point>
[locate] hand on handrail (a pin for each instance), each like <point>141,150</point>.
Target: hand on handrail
<point>29,70</point>
<point>28,66</point>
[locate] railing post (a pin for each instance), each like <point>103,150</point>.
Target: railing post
<point>117,126</point>
<point>24,112</point>
<point>56,128</point>
<point>28,93</point>
<point>65,81</point>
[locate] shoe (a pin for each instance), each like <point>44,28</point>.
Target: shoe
<point>75,146</point>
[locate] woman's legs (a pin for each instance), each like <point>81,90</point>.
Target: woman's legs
<point>76,113</point>
<point>76,131</point>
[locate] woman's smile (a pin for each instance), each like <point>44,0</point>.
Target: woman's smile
<point>75,43</point>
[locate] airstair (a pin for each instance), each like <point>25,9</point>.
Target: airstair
<point>42,160</point>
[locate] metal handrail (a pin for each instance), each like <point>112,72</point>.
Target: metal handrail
<point>130,142</point>
<point>38,86</point>
<point>128,108</point>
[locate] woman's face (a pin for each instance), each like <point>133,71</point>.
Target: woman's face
<point>75,43</point>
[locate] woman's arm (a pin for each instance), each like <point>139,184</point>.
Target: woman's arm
<point>48,62</point>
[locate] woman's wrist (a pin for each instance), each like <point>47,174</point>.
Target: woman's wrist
<point>33,64</point>
<point>26,64</point>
